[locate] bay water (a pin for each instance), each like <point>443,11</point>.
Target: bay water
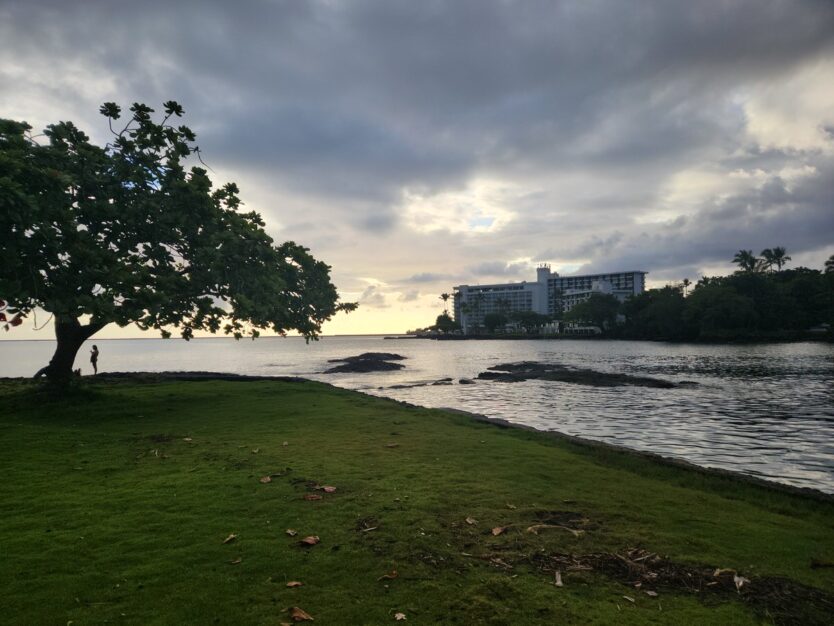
<point>765,410</point>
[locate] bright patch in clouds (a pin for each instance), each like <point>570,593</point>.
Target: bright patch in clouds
<point>481,207</point>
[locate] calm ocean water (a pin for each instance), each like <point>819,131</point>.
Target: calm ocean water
<point>765,410</point>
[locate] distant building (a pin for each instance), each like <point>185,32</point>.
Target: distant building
<point>551,294</point>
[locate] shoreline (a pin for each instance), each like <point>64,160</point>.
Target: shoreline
<point>695,342</point>
<point>588,444</point>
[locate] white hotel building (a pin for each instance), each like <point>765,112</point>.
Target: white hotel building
<point>549,295</point>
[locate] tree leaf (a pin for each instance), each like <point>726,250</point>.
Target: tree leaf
<point>300,615</point>
<point>309,541</point>
<point>400,617</point>
<point>232,537</point>
<point>471,521</point>
<point>236,561</point>
<point>312,496</point>
<point>265,479</point>
<point>389,576</point>
<point>295,583</point>
<point>291,532</point>
<point>498,530</point>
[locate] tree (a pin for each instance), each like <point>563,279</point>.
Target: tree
<point>530,320</point>
<point>494,321</point>
<point>774,256</point>
<point>685,284</point>
<point>126,234</point>
<point>829,264</point>
<point>600,309</point>
<point>747,261</point>
<point>445,324</point>
<point>445,297</point>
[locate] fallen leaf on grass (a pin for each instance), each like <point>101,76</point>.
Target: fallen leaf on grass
<point>309,541</point>
<point>558,581</point>
<point>498,530</point>
<point>295,583</point>
<point>367,530</point>
<point>393,445</point>
<point>187,439</point>
<point>291,532</point>
<point>390,576</point>
<point>312,496</point>
<point>230,538</point>
<point>739,581</point>
<point>535,528</point>
<point>236,561</point>
<point>256,450</point>
<point>400,617</point>
<point>650,593</point>
<point>511,506</point>
<point>285,444</point>
<point>328,489</point>
<point>300,615</point>
<point>471,521</point>
<point>723,570</point>
<point>630,599</point>
<point>265,479</point>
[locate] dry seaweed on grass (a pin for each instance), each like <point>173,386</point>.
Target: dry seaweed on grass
<point>780,600</point>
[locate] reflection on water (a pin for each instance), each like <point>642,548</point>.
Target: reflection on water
<point>766,410</point>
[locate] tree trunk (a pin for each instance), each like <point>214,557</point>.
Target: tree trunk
<point>70,334</point>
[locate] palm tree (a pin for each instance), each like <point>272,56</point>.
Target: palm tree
<point>829,265</point>
<point>685,284</point>
<point>746,261</point>
<point>775,256</point>
<point>445,297</point>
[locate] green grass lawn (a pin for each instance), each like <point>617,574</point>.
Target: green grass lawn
<point>116,504</point>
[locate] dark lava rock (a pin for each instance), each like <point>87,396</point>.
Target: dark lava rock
<point>366,362</point>
<point>370,356</point>
<point>466,381</point>
<point>363,367</point>
<point>532,370</point>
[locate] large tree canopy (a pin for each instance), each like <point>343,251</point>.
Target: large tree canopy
<point>129,233</point>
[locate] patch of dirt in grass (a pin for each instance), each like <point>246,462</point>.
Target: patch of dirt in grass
<point>780,600</point>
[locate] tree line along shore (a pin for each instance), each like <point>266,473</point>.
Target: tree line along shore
<point>762,301</point>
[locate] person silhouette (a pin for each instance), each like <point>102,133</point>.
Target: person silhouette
<point>94,359</point>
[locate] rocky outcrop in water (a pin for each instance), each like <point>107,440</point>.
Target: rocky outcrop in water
<point>366,362</point>
<point>533,370</point>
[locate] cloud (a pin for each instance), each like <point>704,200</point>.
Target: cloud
<point>500,268</point>
<point>442,141</point>
<point>427,277</point>
<point>409,296</point>
<point>373,298</point>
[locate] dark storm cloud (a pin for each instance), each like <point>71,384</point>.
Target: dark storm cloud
<point>347,105</point>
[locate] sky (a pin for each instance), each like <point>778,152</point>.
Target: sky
<point>418,145</point>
